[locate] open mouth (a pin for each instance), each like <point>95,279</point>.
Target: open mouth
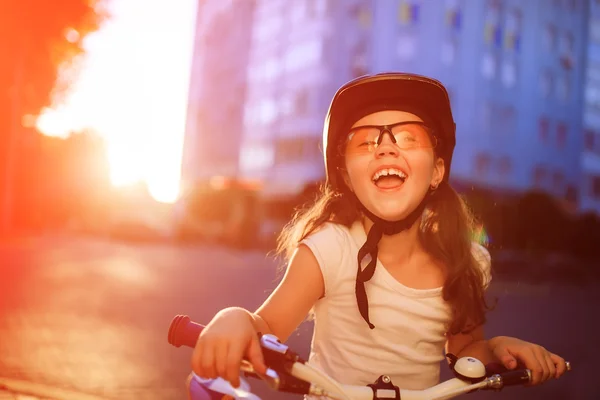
<point>389,178</point>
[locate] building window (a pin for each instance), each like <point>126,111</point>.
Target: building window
<point>595,30</point>
<point>286,104</point>
<point>507,121</point>
<point>593,71</point>
<point>271,69</point>
<point>449,51</point>
<point>566,49</point>
<point>317,8</point>
<point>486,113</point>
<point>546,83</point>
<point>298,12</point>
<point>359,62</point>
<point>492,27</point>
<point>409,12</point>
<point>489,66</point>
<point>561,134</point>
<point>269,28</point>
<point>267,112</point>
<point>549,38</point>
<point>303,55</point>
<point>256,156</point>
<point>567,43</point>
<point>453,15</point>
<point>363,15</point>
<point>563,88</point>
<point>509,73</point>
<point>544,129</point>
<point>301,102</point>
<point>406,47</point>
<point>588,140</point>
<point>512,31</point>
<point>482,164</point>
<point>592,94</point>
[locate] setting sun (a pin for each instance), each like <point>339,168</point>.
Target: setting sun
<point>132,89</point>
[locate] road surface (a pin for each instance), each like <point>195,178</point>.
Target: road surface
<point>91,316</point>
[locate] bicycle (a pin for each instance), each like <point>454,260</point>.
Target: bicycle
<point>288,372</point>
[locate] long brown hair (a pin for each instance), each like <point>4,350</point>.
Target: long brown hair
<point>446,233</point>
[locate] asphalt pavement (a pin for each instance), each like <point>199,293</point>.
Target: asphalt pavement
<point>90,317</point>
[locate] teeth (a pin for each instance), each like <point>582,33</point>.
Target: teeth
<point>389,171</point>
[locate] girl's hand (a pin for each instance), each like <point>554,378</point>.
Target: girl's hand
<point>543,364</point>
<point>223,343</point>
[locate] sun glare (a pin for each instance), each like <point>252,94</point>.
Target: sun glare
<point>132,90</point>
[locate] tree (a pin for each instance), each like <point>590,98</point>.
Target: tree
<point>585,237</point>
<point>37,39</point>
<point>543,223</point>
<point>61,181</point>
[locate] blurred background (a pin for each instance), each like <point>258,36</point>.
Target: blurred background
<point>151,151</point>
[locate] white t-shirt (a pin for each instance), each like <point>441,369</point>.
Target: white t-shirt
<point>408,340</point>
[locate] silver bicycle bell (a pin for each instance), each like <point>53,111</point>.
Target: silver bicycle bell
<point>470,367</point>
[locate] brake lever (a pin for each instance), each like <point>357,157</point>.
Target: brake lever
<point>270,376</point>
<point>280,359</point>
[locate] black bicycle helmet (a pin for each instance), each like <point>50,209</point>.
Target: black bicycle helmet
<point>423,96</point>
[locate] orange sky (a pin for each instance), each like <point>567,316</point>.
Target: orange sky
<point>133,90</point>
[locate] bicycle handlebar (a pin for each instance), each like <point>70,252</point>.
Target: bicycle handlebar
<point>295,376</point>
<point>184,332</point>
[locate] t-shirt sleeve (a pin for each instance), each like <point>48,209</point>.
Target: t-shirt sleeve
<point>483,257</point>
<point>327,244</point>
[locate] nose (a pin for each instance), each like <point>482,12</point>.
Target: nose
<point>386,146</point>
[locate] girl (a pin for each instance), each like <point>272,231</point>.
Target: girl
<point>384,258</point>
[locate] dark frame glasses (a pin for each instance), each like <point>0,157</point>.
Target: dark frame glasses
<point>372,146</point>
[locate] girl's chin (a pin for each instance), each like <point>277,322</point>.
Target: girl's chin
<point>387,207</point>
<point>390,214</point>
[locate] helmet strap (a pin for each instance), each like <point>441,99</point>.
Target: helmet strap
<point>379,228</point>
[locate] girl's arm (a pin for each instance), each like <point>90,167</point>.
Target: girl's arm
<point>472,344</point>
<point>509,352</point>
<point>300,288</point>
